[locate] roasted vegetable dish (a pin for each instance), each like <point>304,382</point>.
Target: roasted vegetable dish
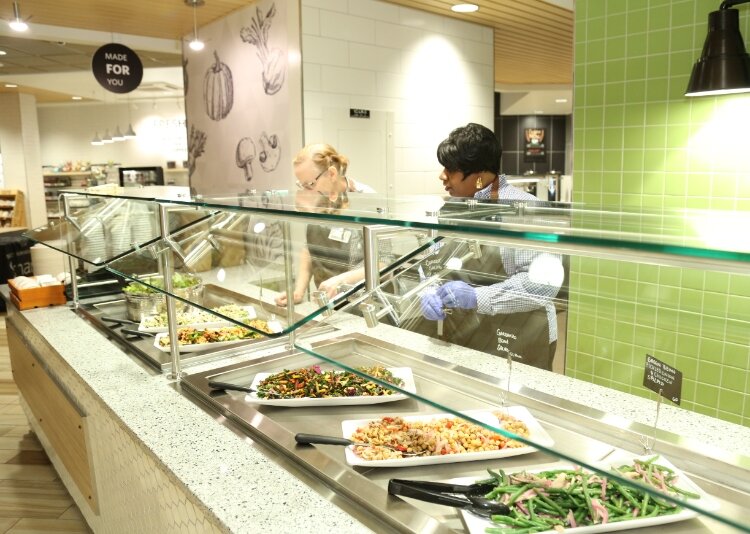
<point>313,382</point>
<point>567,498</point>
<point>200,336</point>
<point>434,437</point>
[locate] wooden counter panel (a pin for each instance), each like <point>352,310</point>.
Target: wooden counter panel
<point>59,418</point>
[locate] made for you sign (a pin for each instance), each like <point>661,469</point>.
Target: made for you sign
<point>117,68</point>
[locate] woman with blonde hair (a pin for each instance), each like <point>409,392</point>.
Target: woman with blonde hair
<point>332,256</point>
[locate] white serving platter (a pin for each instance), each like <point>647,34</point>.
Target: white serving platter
<point>537,434</point>
<point>211,324</point>
<point>274,325</point>
<point>477,525</point>
<point>404,373</point>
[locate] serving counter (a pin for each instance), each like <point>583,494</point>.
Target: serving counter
<point>200,456</point>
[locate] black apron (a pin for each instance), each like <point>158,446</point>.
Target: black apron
<point>333,250</point>
<point>525,335</point>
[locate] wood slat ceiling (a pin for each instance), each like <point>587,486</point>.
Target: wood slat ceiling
<point>533,40</point>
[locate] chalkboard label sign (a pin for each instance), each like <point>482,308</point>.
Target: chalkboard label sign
<point>359,113</point>
<point>663,379</point>
<point>117,68</point>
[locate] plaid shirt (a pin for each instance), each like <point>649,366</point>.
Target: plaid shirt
<point>517,293</point>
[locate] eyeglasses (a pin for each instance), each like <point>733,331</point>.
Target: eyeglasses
<point>310,184</point>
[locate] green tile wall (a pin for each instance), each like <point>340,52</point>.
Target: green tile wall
<point>640,144</point>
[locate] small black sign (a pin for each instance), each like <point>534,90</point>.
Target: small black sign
<point>663,379</point>
<point>359,113</point>
<point>117,68</point>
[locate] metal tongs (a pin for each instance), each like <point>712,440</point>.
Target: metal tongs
<point>467,497</point>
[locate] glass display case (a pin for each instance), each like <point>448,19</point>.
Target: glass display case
<point>529,346</point>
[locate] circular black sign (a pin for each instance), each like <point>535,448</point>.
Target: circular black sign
<point>117,68</point>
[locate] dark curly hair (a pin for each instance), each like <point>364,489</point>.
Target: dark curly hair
<point>469,149</point>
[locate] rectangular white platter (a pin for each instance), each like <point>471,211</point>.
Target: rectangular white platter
<point>404,373</point>
<point>211,324</point>
<point>477,525</point>
<point>537,434</point>
<point>274,325</point>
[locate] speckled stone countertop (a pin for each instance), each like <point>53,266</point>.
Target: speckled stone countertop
<point>212,461</point>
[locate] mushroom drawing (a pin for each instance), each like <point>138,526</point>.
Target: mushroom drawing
<point>245,156</point>
<point>274,59</point>
<point>270,151</point>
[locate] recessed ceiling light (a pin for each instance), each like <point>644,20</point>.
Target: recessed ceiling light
<point>538,111</point>
<point>465,8</point>
<point>3,52</point>
<point>10,85</point>
<point>77,97</point>
<point>561,100</point>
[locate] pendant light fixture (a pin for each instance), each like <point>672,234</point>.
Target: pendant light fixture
<point>117,136</point>
<point>107,139</point>
<point>724,65</point>
<point>96,141</point>
<point>195,44</point>
<point>17,23</point>
<point>129,133</point>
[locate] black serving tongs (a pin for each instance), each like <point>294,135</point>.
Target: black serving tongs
<point>469,497</point>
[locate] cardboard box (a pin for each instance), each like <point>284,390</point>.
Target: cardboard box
<point>36,297</point>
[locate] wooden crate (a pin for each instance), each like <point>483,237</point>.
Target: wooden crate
<point>36,297</point>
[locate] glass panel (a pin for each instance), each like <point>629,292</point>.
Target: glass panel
<point>100,228</point>
<point>240,257</point>
<point>681,232</point>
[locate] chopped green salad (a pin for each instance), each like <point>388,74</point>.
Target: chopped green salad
<point>179,281</point>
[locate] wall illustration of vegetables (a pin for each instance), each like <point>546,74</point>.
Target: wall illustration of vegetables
<point>270,151</point>
<point>196,146</point>
<point>218,90</point>
<point>245,155</point>
<point>274,59</point>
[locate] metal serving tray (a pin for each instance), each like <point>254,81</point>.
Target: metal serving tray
<point>366,488</point>
<point>143,347</point>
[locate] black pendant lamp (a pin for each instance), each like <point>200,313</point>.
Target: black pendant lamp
<point>724,65</point>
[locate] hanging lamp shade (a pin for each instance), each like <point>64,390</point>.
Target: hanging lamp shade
<point>724,65</point>
<point>107,139</point>
<point>117,136</point>
<point>96,141</point>
<point>130,133</point>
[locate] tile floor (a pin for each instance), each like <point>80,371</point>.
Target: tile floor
<point>33,500</point>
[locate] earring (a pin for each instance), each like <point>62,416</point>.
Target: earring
<point>479,182</point>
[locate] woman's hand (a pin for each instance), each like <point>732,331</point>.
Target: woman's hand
<point>281,300</point>
<point>331,286</point>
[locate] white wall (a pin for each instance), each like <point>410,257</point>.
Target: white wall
<point>434,73</point>
<point>66,132</point>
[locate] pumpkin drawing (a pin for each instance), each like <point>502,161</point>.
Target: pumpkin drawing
<point>218,91</point>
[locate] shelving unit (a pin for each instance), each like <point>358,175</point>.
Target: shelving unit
<point>12,208</point>
<point>56,182</point>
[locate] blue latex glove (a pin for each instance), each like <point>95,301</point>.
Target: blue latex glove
<point>432,306</point>
<point>458,295</point>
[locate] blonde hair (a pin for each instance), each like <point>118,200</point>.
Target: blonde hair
<point>323,156</point>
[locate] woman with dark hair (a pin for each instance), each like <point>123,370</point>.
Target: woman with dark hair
<point>500,301</point>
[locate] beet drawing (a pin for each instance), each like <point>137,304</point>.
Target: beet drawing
<point>196,146</point>
<point>218,91</point>
<point>245,156</point>
<point>274,59</point>
<point>270,151</point>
